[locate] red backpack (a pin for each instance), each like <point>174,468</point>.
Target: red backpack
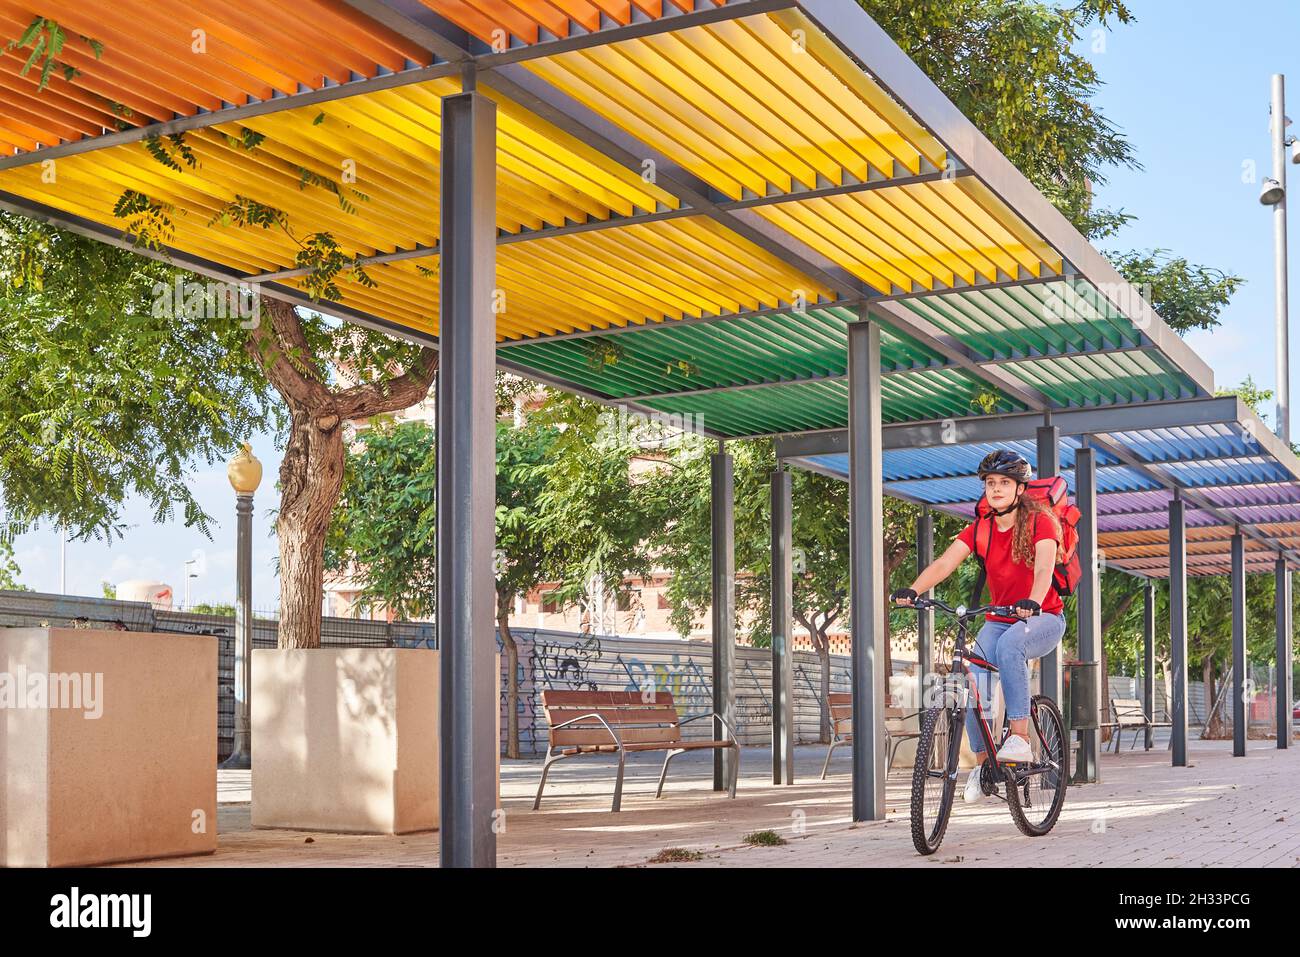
<point>1052,491</point>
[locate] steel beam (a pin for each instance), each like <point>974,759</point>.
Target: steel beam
<point>782,626</point>
<point>1049,463</point>
<point>466,484</point>
<point>1240,709</point>
<point>1024,426</point>
<point>1283,654</point>
<point>1088,608</point>
<point>1178,628</point>
<point>723,551</point>
<point>924,619</point>
<point>866,572</point>
<point>1149,657</point>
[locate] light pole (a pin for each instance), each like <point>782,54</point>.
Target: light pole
<point>1273,194</point>
<point>188,575</point>
<point>245,474</point>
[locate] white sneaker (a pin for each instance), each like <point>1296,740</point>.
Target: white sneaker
<point>974,792</point>
<point>1015,750</point>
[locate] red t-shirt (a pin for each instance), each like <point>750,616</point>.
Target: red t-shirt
<point>1009,581</point>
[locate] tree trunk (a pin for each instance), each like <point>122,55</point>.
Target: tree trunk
<point>823,643</point>
<point>1105,693</point>
<point>512,675</point>
<point>311,478</point>
<point>311,474</point>
<point>1215,727</point>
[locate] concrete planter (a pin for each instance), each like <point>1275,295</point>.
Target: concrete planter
<point>108,746</point>
<point>345,739</point>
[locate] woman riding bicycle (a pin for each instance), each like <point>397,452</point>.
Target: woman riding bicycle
<point>1020,546</point>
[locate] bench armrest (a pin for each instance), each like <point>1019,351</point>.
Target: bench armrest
<point>564,724</point>
<point>713,714</point>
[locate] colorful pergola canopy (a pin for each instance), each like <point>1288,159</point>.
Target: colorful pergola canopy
<point>695,199</point>
<point>1233,473</point>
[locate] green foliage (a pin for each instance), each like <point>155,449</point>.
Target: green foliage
<point>9,570</point>
<point>526,556</point>
<point>1248,392</point>
<point>243,211</point>
<point>325,260</point>
<point>1186,296</point>
<point>1012,67</point>
<point>171,150</point>
<point>383,529</point>
<point>148,220</point>
<point>592,507</point>
<point>103,399</point>
<point>46,39</point>
<point>763,839</point>
<point>602,353</point>
<point>307,177</point>
<point>221,609</point>
<point>247,139</point>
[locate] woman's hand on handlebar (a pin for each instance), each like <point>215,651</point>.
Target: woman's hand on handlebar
<point>1026,608</point>
<point>903,596</point>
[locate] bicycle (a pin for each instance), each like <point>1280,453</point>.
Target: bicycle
<point>938,751</point>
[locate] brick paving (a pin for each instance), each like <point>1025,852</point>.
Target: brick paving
<point>1222,811</point>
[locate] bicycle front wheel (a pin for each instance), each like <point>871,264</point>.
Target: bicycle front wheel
<point>934,777</point>
<point>1036,792</point>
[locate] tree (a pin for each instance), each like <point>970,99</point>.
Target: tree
<point>105,398</point>
<point>9,570</point>
<point>383,532</point>
<point>1012,67</point>
<point>525,554</point>
<point>302,358</point>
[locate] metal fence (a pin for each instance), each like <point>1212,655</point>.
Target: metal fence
<point>547,660</point>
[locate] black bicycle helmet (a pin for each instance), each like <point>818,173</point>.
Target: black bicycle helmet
<point>1005,462</point>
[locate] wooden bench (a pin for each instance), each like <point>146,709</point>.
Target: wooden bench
<point>840,704</point>
<point>620,722</point>
<point>1128,714</point>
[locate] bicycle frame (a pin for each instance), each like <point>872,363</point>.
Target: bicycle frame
<point>961,661</point>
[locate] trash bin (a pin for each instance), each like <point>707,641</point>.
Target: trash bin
<point>1080,695</point>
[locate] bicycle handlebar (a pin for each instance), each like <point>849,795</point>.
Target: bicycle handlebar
<point>961,612</point>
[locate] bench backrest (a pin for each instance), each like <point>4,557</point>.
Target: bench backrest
<point>841,706</point>
<point>1128,711</point>
<point>636,717</point>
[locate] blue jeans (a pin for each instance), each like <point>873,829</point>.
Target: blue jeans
<point>1010,646</point>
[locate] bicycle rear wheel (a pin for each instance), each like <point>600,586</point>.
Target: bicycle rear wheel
<point>934,777</point>
<point>1036,792</point>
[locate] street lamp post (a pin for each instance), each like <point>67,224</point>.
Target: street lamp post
<point>245,474</point>
<point>1274,194</point>
<point>188,576</point>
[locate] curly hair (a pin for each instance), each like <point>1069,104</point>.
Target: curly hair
<point>1022,539</point>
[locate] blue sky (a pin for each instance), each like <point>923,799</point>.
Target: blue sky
<point>1188,84</point>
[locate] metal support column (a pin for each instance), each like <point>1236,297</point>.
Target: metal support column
<point>924,619</point>
<point>782,624</point>
<point>721,503</point>
<point>1049,463</point>
<point>866,571</point>
<point>1088,609</point>
<point>1285,724</point>
<point>1240,711</point>
<point>466,482</point>
<point>1149,656</point>
<point>1178,628</point>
